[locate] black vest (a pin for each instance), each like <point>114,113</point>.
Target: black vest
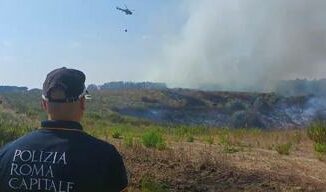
<point>60,157</point>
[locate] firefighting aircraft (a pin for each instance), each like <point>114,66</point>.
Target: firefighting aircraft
<point>126,10</point>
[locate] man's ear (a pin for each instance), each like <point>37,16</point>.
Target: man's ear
<point>44,105</point>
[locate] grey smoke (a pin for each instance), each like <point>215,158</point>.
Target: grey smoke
<point>316,106</point>
<point>313,109</point>
<point>246,43</point>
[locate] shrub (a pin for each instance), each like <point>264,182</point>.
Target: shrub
<point>317,132</point>
<point>153,139</point>
<point>149,185</point>
<point>320,148</point>
<point>190,138</point>
<point>283,149</point>
<point>116,133</point>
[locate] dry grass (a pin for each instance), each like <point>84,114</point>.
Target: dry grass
<point>199,166</point>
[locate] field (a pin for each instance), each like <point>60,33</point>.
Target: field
<point>164,156</point>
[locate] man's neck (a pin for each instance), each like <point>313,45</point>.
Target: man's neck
<point>63,119</point>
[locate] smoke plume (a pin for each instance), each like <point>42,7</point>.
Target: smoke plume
<point>246,44</point>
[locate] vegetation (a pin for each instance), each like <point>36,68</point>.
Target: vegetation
<point>185,157</point>
<point>116,133</point>
<point>149,185</point>
<point>317,133</point>
<point>128,140</point>
<point>13,125</point>
<point>320,148</point>
<point>153,139</point>
<point>284,149</point>
<point>190,138</point>
<point>209,139</point>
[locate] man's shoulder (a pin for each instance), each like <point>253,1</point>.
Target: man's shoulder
<point>12,144</point>
<point>40,138</point>
<point>16,141</point>
<point>4,149</point>
<point>100,144</point>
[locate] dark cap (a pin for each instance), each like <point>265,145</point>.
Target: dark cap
<point>70,81</point>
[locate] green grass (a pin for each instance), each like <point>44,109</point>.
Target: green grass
<point>317,132</point>
<point>320,148</point>
<point>116,133</point>
<point>153,139</point>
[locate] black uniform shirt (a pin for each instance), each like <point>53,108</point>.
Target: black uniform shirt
<point>60,157</point>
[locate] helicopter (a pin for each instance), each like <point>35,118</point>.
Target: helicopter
<point>126,10</point>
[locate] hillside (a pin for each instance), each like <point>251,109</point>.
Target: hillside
<point>188,157</point>
<point>194,107</point>
<point>231,109</point>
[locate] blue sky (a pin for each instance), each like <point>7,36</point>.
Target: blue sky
<point>185,43</point>
<point>37,36</point>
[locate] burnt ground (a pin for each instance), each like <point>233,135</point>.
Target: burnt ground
<point>232,109</point>
<point>191,107</point>
<point>200,167</point>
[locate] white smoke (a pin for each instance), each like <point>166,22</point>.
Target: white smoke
<point>246,43</point>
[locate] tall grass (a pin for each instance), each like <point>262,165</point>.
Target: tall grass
<point>13,126</point>
<point>317,133</point>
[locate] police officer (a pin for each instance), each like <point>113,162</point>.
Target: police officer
<point>60,156</point>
